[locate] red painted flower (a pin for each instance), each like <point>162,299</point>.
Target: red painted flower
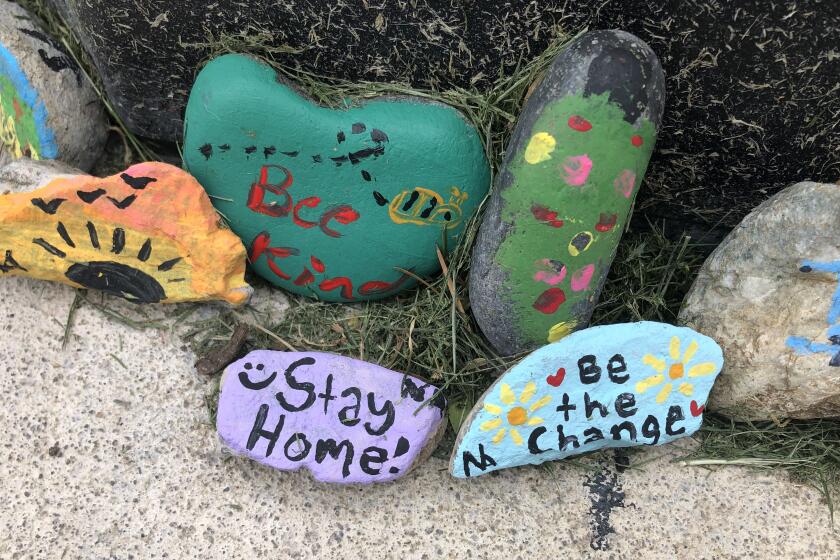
<point>576,122</point>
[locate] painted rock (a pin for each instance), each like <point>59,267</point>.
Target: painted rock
<point>342,205</point>
<point>612,386</point>
<point>566,189</point>
<point>148,234</point>
<point>48,109</point>
<point>770,294</point>
<point>345,420</point>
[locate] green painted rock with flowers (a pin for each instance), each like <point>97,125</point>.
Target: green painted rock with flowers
<point>571,173</point>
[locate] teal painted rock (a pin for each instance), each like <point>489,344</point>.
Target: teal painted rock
<point>342,205</point>
<point>563,198</point>
<point>612,386</point>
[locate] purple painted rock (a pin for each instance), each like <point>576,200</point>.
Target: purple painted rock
<point>345,420</point>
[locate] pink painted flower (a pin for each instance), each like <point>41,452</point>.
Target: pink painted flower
<point>625,183</point>
<point>582,277</point>
<point>554,275</point>
<point>576,170</point>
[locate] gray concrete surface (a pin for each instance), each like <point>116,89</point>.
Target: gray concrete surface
<point>98,460</point>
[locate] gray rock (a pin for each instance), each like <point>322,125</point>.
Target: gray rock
<point>769,296</point>
<point>24,174</point>
<point>49,109</point>
<point>565,191</point>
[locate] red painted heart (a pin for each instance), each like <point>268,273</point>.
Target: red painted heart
<point>556,379</point>
<point>697,410</point>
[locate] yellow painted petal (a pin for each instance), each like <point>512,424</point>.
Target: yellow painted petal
<point>540,147</point>
<point>651,381</point>
<point>493,408</point>
<point>528,392</point>
<point>654,362</point>
<point>560,330</point>
<point>540,403</point>
<point>702,369</point>
<point>514,435</point>
<point>500,435</point>
<point>490,425</point>
<point>507,395</point>
<point>675,348</point>
<point>690,351</point>
<point>686,389</point>
<point>535,421</point>
<point>663,394</point>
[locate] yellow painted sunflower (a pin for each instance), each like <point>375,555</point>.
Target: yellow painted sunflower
<point>678,369</point>
<point>513,414</point>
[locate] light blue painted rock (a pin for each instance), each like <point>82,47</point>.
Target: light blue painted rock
<point>612,386</point>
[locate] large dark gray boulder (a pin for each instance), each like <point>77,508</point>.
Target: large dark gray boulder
<point>752,85</point>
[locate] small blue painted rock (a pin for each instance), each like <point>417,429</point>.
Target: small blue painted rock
<point>342,205</point>
<point>612,386</point>
<point>48,109</point>
<point>566,190</point>
<point>345,420</point>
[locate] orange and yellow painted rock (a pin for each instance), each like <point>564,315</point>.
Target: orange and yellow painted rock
<point>148,234</point>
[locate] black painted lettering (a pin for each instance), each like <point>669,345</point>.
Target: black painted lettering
<point>650,429</point>
<point>626,426</point>
<point>355,409</point>
<point>625,405</point>
<point>593,405</point>
<point>675,414</point>
<point>486,461</point>
<point>305,386</point>
<point>590,372</point>
<point>372,456</point>
<point>327,395</point>
<point>594,435</point>
<point>257,431</point>
<point>329,447</point>
<point>615,366</point>
<point>387,410</point>
<point>564,441</point>
<point>302,447</point>
<point>566,407</point>
<point>533,444</point>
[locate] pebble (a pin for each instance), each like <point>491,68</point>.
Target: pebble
<point>618,385</point>
<point>48,109</point>
<point>565,192</point>
<point>340,204</point>
<point>148,234</point>
<point>345,420</point>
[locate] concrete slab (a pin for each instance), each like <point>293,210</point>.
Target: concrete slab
<point>108,451</point>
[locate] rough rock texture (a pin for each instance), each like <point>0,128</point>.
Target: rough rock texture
<point>25,175</point>
<point>431,42</point>
<point>752,85</point>
<point>566,188</point>
<point>148,234</point>
<point>769,295</point>
<point>621,385</point>
<point>339,204</point>
<point>109,451</point>
<point>48,107</point>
